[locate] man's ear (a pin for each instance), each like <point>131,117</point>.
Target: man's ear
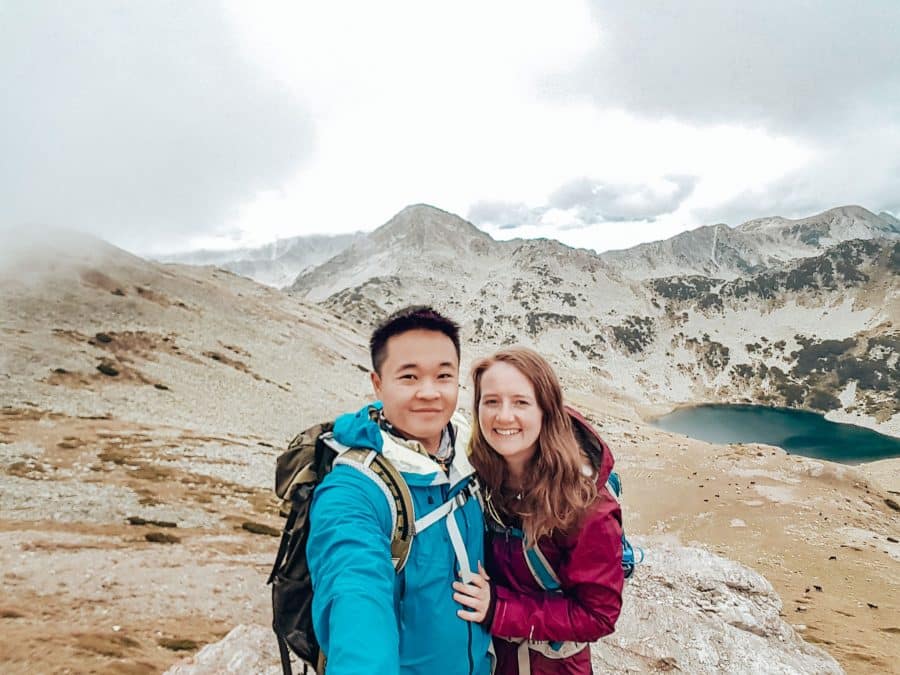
<point>376,383</point>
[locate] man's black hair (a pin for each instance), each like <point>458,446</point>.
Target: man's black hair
<point>414,317</point>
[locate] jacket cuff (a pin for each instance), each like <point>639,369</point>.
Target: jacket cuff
<point>489,616</point>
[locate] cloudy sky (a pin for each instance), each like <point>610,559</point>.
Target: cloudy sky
<point>170,125</point>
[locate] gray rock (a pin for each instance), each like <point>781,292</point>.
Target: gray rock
<point>246,649</point>
<point>690,610</point>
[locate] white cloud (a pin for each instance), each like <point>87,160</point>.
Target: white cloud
<point>172,123</point>
<point>136,121</point>
<point>795,67</point>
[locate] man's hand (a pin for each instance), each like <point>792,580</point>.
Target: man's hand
<point>476,596</point>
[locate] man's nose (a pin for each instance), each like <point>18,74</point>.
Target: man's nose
<point>428,390</point>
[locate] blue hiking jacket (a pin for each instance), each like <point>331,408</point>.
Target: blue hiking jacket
<point>368,618</point>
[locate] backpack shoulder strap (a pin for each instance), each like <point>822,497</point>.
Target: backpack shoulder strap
<point>386,476</point>
<point>540,568</point>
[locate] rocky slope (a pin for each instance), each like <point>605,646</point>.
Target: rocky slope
<point>818,333</point>
<point>87,326</point>
<point>276,264</point>
<point>142,408</point>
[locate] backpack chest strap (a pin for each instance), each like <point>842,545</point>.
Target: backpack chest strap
<point>441,511</point>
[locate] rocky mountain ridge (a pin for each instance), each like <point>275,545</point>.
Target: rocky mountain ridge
<point>726,252</point>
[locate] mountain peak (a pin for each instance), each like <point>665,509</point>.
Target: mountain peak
<point>852,210</point>
<point>426,225</point>
<point>840,223</point>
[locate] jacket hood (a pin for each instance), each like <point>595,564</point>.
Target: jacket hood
<point>359,430</point>
<point>594,446</point>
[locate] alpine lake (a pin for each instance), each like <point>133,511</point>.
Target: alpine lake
<point>796,431</point>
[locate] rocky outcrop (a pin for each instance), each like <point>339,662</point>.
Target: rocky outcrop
<point>686,610</point>
<point>692,611</point>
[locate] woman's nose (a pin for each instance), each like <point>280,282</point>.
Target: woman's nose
<point>505,412</point>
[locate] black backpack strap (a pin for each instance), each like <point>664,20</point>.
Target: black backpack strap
<point>286,534</point>
<point>285,656</point>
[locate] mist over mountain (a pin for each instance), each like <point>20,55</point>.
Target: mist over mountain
<point>275,264</point>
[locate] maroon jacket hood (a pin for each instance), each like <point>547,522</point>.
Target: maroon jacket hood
<point>595,447</point>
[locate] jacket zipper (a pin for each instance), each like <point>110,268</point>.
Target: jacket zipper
<point>471,660</point>
<point>465,519</point>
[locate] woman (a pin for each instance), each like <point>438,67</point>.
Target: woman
<point>555,536</point>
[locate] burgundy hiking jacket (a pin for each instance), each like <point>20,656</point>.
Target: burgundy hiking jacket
<point>588,563</point>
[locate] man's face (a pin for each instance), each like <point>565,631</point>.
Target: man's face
<point>419,384</point>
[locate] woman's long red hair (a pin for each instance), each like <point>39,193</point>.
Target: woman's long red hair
<point>558,490</point>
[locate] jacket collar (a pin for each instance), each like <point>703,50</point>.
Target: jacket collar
<point>410,457</point>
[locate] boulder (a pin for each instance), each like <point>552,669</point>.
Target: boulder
<point>690,610</point>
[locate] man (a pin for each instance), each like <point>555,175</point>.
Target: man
<point>368,618</point>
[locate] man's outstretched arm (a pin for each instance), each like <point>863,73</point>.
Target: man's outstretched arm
<point>349,558</point>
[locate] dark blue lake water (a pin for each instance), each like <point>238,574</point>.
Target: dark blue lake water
<point>797,431</point>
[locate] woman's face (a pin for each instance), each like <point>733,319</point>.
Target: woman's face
<point>508,413</point>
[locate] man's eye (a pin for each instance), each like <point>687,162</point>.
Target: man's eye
<point>408,376</point>
<point>445,376</point>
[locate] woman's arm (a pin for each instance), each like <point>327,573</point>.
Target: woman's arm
<point>591,577</point>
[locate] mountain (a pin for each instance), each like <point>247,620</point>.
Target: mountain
<point>497,289</point>
<point>725,252</point>
<point>890,219</point>
<point>818,333</point>
<point>667,339</point>
<point>417,231</point>
<point>276,264</point>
